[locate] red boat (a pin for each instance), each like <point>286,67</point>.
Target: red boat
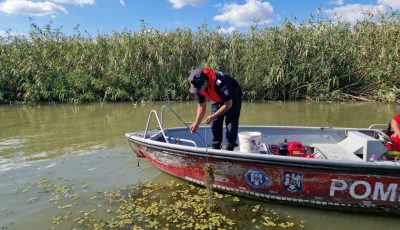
<point>338,167</point>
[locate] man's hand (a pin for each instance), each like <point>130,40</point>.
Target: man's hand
<point>209,119</point>
<point>193,128</point>
<point>221,111</point>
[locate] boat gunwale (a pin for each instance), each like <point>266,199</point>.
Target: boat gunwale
<point>330,165</point>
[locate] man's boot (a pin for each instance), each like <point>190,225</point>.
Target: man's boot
<point>230,147</point>
<point>216,146</point>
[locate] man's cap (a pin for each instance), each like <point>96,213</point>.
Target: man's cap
<point>196,79</point>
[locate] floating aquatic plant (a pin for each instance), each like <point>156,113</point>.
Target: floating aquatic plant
<point>176,205</point>
<point>58,191</point>
<point>183,206</point>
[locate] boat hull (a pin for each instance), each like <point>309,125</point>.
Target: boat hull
<point>284,180</point>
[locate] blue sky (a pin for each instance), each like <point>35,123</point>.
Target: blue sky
<point>102,16</point>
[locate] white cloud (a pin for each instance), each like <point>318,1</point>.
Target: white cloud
<point>395,4</point>
<point>354,12</point>
<point>27,7</point>
<point>3,33</point>
<point>76,2</point>
<point>247,14</point>
<point>122,2</point>
<point>228,30</point>
<point>337,2</point>
<point>181,3</point>
<point>6,33</point>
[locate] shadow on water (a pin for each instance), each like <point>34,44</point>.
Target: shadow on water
<point>63,159</point>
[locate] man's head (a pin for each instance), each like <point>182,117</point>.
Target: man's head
<point>196,80</point>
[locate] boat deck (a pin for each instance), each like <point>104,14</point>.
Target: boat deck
<point>326,143</point>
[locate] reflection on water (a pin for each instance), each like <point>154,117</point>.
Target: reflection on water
<point>318,114</point>
<point>58,130</point>
<point>86,144</point>
<point>43,132</point>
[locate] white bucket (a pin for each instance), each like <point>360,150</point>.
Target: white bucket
<point>250,142</point>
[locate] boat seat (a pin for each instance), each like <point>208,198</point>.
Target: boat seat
<point>356,146</point>
<point>336,152</point>
<point>363,145</point>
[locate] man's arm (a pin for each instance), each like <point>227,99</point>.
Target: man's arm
<point>221,111</point>
<point>201,110</point>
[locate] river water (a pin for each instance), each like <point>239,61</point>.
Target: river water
<point>83,146</point>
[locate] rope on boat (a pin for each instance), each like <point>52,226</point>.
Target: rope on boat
<point>208,180</point>
<point>208,172</point>
<point>138,154</point>
<point>208,176</point>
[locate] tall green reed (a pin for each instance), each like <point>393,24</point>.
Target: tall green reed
<point>316,60</point>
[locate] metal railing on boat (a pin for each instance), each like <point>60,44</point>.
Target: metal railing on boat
<point>160,125</point>
<point>377,125</point>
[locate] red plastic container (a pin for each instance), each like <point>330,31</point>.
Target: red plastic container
<point>296,149</point>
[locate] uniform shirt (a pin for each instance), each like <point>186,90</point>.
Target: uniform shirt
<point>225,86</point>
<point>397,118</point>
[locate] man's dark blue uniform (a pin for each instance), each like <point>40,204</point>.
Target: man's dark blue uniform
<point>226,89</point>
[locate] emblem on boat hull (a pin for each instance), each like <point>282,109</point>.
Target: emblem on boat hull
<point>257,178</point>
<point>293,182</point>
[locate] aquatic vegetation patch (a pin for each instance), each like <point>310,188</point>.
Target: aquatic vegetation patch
<point>176,205</point>
<point>58,191</point>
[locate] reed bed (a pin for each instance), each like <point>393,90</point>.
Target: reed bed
<point>314,60</point>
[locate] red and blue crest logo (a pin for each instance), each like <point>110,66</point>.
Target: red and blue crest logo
<point>256,178</point>
<point>293,182</point>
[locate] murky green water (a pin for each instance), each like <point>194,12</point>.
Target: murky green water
<point>84,147</point>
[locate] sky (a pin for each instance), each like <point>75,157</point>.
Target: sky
<point>104,16</point>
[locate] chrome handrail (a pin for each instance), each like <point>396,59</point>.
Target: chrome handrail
<point>183,140</point>
<point>160,125</point>
<point>373,125</point>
